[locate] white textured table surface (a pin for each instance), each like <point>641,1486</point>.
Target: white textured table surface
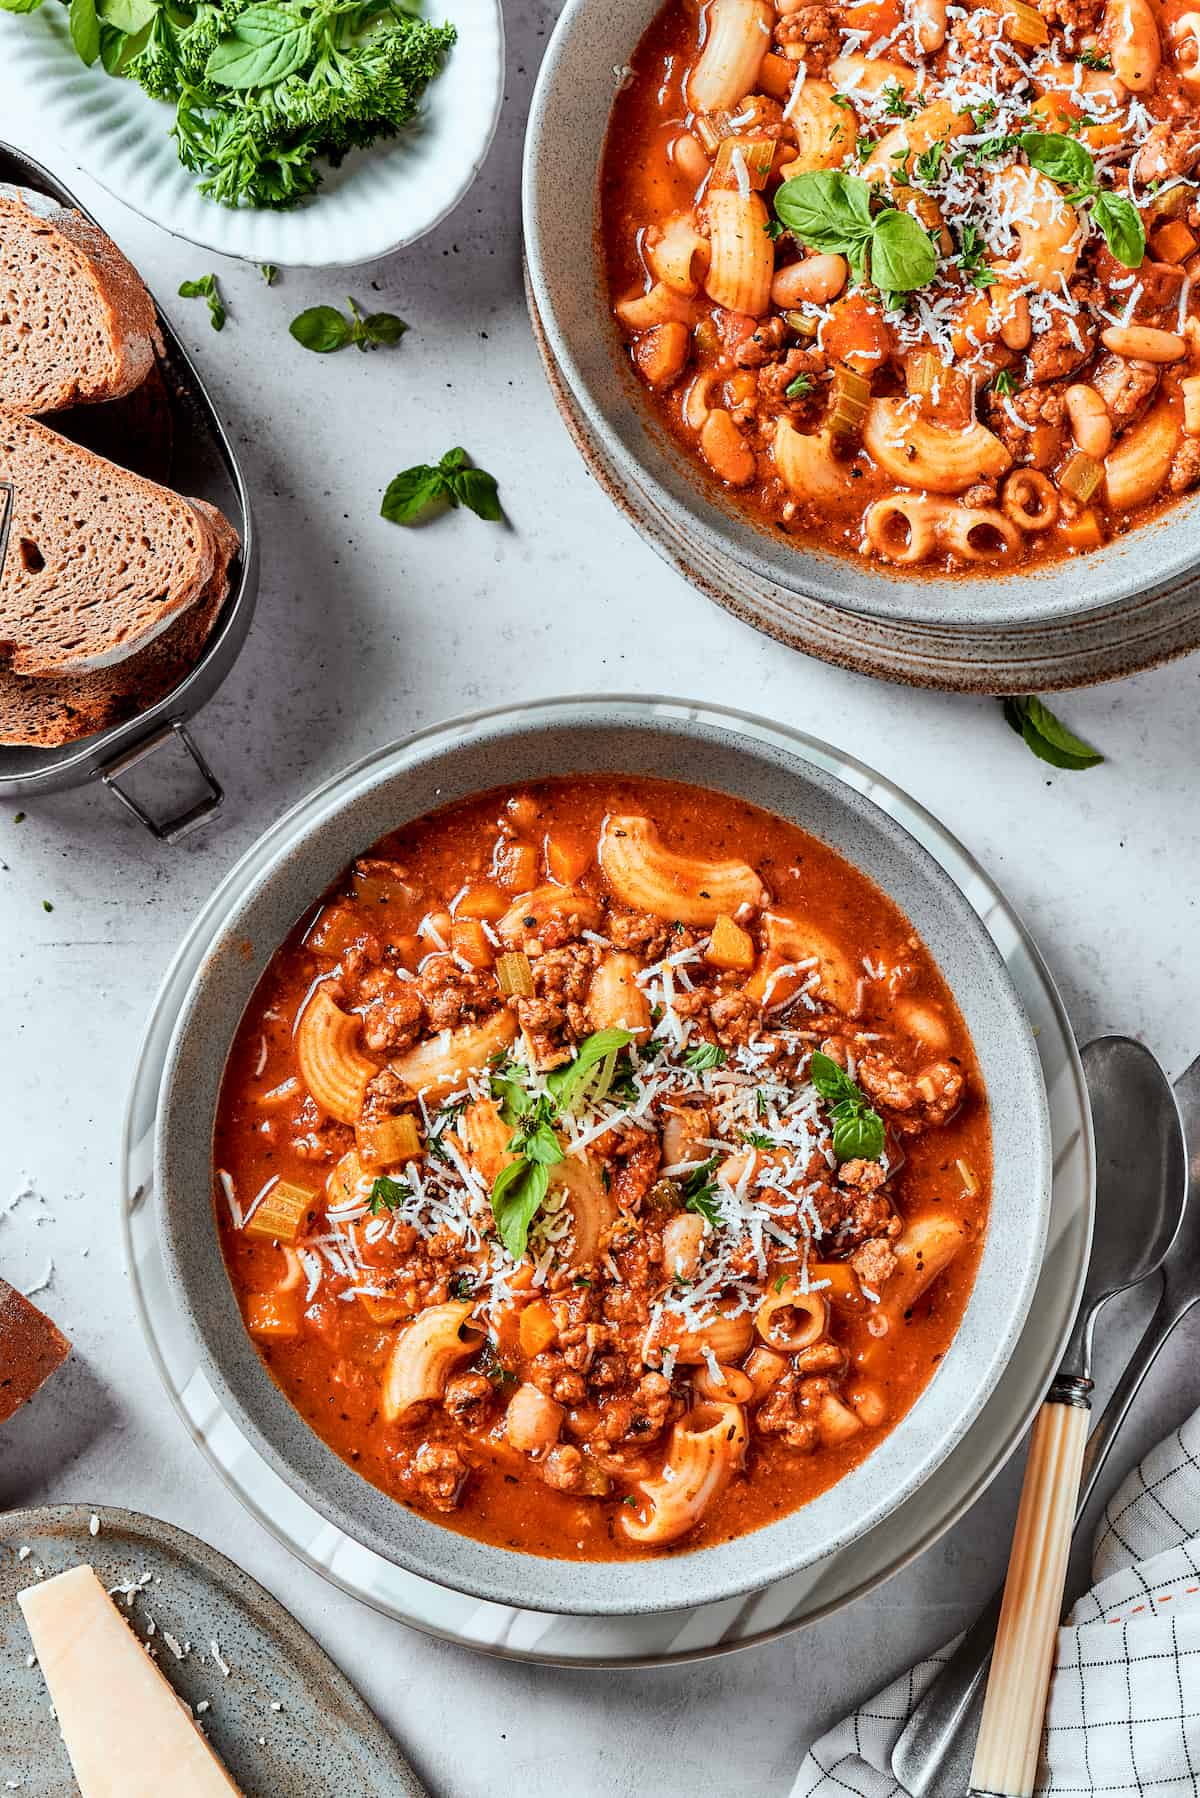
<point>364,632</point>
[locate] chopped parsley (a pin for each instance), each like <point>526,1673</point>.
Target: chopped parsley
<point>1004,382</point>
<point>971,253</point>
<point>387,1195</point>
<point>799,389</point>
<point>928,165</point>
<point>705,1055</point>
<point>896,103</point>
<point>1094,59</point>
<point>756,1139</point>
<point>700,1192</point>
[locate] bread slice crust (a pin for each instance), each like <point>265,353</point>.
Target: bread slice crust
<point>98,561</point>
<point>76,322</point>
<point>46,713</point>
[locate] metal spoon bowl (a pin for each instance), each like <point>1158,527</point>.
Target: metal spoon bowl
<point>1141,1195</point>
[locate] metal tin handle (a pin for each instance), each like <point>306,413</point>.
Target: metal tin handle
<point>171,829</point>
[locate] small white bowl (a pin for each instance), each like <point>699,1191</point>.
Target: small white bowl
<point>378,201</point>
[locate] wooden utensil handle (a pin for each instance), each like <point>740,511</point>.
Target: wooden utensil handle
<point>1014,1708</point>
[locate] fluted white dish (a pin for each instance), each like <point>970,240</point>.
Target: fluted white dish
<point>378,201</point>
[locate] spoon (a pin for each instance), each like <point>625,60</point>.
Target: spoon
<point>1141,1190</point>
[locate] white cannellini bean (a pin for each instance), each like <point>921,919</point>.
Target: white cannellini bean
<point>1091,426</point>
<point>1143,343</point>
<point>817,278</point>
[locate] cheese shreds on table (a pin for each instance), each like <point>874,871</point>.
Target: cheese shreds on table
<point>127,1732</point>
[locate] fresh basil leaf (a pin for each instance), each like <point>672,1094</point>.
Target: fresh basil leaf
<point>84,25</point>
<point>453,458</point>
<point>1121,223</point>
<point>826,210</point>
<point>410,493</point>
<point>858,1135</point>
<point>478,491</point>
<point>384,327</point>
<point>19,5</point>
<point>517,1197</point>
<point>205,288</point>
<point>902,253</point>
<point>321,328</point>
<point>566,1084</point>
<point>268,44</point>
<point>1047,736</point>
<point>831,1081</point>
<point>1063,159</point>
<point>129,16</point>
<point>542,1145</point>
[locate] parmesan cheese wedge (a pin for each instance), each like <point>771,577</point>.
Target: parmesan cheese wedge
<point>126,1731</point>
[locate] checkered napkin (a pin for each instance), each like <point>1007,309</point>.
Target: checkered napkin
<point>1124,1714</point>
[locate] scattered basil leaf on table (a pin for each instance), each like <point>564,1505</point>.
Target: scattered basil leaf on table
<point>205,288</point>
<point>325,329</point>
<point>1047,736</point>
<point>269,273</point>
<point>414,490</point>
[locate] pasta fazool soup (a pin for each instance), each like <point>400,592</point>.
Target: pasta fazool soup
<point>915,278</point>
<point>602,1166</point>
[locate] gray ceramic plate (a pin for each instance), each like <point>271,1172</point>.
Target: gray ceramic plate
<point>751,760</point>
<point>320,1740</point>
<point>590,48</point>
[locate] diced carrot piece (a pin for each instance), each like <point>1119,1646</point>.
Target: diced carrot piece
<point>468,940</point>
<point>730,946</point>
<point>482,902</point>
<point>538,1328</point>
<point>273,1314</point>
<point>1173,242</point>
<point>515,866</point>
<point>337,928</point>
<point>661,353</point>
<point>843,1286</point>
<point>567,858</point>
<point>1083,531</point>
<point>776,75</point>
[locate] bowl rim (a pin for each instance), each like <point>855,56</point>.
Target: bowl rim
<point>183,1188</point>
<point>1151,559</point>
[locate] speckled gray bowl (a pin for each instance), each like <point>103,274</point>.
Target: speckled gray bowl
<point>590,49</point>
<point>733,753</point>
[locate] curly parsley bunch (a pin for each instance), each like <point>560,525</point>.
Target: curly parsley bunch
<point>263,90</point>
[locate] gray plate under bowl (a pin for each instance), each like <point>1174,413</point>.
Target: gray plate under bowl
<point>751,760</point>
<point>591,47</point>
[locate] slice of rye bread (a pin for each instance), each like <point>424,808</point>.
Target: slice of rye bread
<point>45,713</point>
<point>76,323</point>
<point>98,561</point>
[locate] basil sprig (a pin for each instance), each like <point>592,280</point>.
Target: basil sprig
<point>520,1188</point>
<point>451,480</point>
<point>1068,164</point>
<point>1047,736</point>
<point>831,211</point>
<point>857,1129</point>
<point>325,329</point>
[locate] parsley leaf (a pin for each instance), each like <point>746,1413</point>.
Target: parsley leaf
<point>387,1195</point>
<point>971,253</point>
<point>1004,382</point>
<point>205,288</point>
<point>700,1192</point>
<point>1047,736</point>
<point>705,1055</point>
<point>798,389</point>
<point>896,103</point>
<point>325,329</point>
<point>1094,59</point>
<point>412,492</point>
<point>928,165</point>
